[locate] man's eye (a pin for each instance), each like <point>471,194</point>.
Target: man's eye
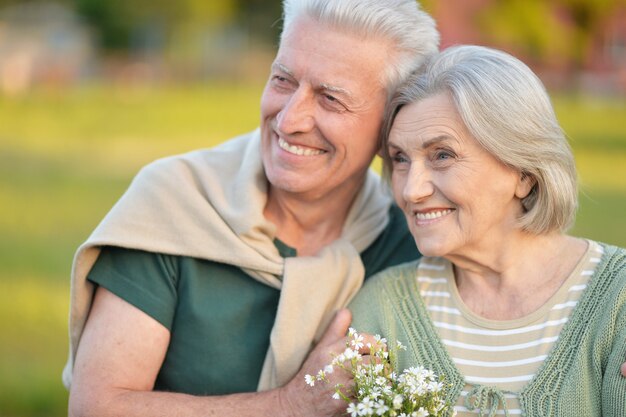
<point>280,79</point>
<point>332,103</point>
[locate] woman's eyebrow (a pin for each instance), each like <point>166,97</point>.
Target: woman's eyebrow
<point>426,144</point>
<point>437,139</point>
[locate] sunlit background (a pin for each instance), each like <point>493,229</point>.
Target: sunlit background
<point>91,90</point>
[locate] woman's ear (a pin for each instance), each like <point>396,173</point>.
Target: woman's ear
<point>525,185</point>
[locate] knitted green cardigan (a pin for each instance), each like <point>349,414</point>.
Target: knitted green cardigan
<point>580,377</point>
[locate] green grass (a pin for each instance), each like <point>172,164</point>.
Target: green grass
<point>597,131</point>
<point>65,158</point>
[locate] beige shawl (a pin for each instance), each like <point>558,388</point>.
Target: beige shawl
<point>209,204</point>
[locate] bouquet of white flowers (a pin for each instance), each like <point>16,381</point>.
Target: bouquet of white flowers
<point>378,390</point>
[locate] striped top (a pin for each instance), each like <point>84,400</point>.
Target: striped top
<point>504,354</point>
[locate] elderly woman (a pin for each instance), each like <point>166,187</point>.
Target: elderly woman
<point>520,318</point>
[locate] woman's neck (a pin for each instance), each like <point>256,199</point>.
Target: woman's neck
<point>519,277</point>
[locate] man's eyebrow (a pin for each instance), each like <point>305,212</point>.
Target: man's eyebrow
<point>336,89</point>
<point>282,68</point>
<point>323,86</point>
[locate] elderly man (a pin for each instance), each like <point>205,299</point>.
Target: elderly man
<point>218,270</point>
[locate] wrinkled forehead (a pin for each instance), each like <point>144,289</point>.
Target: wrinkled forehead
<point>433,119</point>
<point>347,41</point>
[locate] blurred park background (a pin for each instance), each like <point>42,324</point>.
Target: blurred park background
<point>91,90</point>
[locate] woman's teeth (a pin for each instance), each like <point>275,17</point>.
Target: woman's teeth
<point>432,214</point>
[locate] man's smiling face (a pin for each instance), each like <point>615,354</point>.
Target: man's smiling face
<point>322,109</point>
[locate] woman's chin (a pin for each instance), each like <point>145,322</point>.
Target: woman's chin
<point>431,249</point>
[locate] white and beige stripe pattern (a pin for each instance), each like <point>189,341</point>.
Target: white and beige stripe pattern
<point>503,354</point>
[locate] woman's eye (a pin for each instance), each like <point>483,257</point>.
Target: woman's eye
<point>398,158</point>
<point>442,155</point>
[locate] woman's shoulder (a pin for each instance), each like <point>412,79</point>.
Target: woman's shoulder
<point>608,284</point>
<point>401,280</point>
<point>612,261</point>
<point>401,272</point>
<point>371,307</point>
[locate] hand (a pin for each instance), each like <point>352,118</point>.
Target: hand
<point>304,401</point>
<point>623,369</point>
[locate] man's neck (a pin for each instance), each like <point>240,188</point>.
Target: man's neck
<point>308,224</point>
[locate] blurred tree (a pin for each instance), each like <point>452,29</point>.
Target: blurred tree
<point>191,25</point>
<point>111,21</point>
<point>588,17</point>
<point>529,27</point>
<point>4,3</point>
<point>117,21</point>
<point>427,5</point>
<point>548,31</point>
<point>262,18</point>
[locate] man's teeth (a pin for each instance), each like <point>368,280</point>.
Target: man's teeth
<point>296,150</point>
<point>432,214</point>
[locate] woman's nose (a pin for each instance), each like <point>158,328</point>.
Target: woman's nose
<point>418,185</point>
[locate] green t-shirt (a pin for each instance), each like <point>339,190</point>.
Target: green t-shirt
<point>220,319</point>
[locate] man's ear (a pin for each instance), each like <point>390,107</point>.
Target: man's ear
<point>525,184</point>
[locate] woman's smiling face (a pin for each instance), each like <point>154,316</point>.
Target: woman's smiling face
<point>457,197</point>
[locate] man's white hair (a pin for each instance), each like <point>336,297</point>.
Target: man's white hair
<point>410,31</point>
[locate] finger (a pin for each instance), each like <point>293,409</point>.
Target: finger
<point>368,360</point>
<point>623,369</point>
<point>337,328</point>
<point>370,341</point>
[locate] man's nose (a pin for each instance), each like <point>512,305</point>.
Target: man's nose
<point>297,115</point>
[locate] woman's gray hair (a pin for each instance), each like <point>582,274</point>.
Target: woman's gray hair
<point>506,108</point>
<point>411,30</point>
